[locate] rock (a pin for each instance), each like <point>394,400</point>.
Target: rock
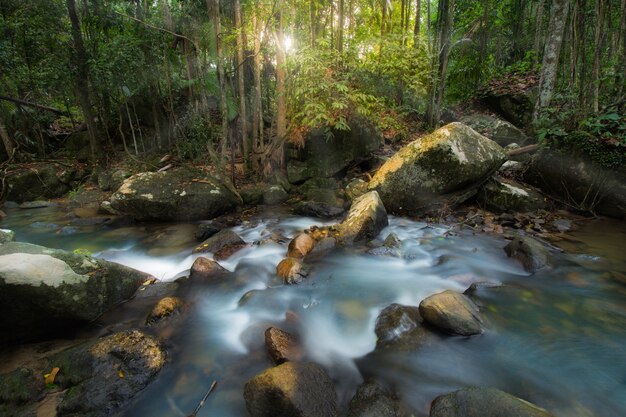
<point>317,209</point>
<point>324,246</point>
<point>281,346</point>
<point>47,291</point>
<point>165,308</point>
<point>356,188</point>
<point>322,157</point>
<point>366,218</point>
<point>500,195</point>
<point>228,251</point>
<point>35,183</point>
<point>274,195</point>
<point>500,131</point>
<point>105,208</point>
<point>19,390</point>
<point>390,247</point>
<point>252,196</point>
<point>6,236</point>
<point>218,241</point>
<point>300,246</point>
<point>206,230</point>
<point>291,390</point>
<point>372,400</point>
<point>532,254</point>
<point>113,179</point>
<point>177,194</point>
<point>104,376</point>
<point>483,402</point>
<point>452,312</point>
<point>35,204</point>
<point>400,328</point>
<point>205,269</point>
<point>578,182</point>
<point>437,171</point>
<point>512,169</point>
<point>562,225</point>
<point>291,271</point>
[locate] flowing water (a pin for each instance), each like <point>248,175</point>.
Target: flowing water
<point>555,338</point>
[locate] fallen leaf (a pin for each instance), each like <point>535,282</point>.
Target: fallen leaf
<point>49,378</point>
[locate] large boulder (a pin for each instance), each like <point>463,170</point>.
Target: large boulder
<point>36,183</point>
<point>579,182</point>
<point>501,195</point>
<point>500,131</point>
<point>366,218</point>
<point>452,312</point>
<point>48,291</point>
<point>291,390</point>
<point>103,376</point>
<point>179,194</point>
<point>324,157</point>
<point>439,170</point>
<point>483,402</point>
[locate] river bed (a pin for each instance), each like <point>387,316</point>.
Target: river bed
<point>555,338</point>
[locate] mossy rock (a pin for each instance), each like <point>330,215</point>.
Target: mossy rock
<point>40,182</point>
<point>501,195</point>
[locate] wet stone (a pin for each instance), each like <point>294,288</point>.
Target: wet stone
<point>282,346</point>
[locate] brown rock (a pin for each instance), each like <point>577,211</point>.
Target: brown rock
<point>281,346</point>
<point>166,307</point>
<point>300,246</point>
<point>452,312</point>
<point>291,270</point>
<point>204,268</point>
<point>228,251</point>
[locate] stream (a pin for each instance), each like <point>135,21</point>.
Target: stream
<point>555,338</point>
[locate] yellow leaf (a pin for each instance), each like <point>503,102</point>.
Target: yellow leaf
<point>121,374</point>
<point>49,378</point>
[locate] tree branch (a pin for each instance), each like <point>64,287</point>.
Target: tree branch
<point>35,105</point>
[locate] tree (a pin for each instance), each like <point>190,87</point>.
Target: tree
<point>243,117</point>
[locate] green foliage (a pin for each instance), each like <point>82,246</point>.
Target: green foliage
<point>82,251</point>
<point>198,133</point>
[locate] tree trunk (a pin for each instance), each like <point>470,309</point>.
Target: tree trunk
<point>313,21</point>
<point>243,116</point>
<point>340,27</point>
<point>441,52</point>
<point>81,79</point>
<point>281,108</point>
<point>552,50</point>
<point>416,28</point>
<point>598,43</point>
<point>257,113</point>
<point>214,14</point>
<point>620,73</point>
<point>6,140</point>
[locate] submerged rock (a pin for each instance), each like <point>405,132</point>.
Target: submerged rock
<point>483,402</point>
<point>500,195</point>
<point>281,346</point>
<point>291,390</point>
<point>165,308</point>
<point>452,312</point>
<point>400,327</point>
<point>178,194</point>
<point>437,171</point>
<point>366,218</point>
<point>104,376</point>
<point>48,291</point>
<point>531,253</point>
<point>300,246</point>
<point>218,241</point>
<point>372,400</point>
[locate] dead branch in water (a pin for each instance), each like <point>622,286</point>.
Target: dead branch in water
<point>195,412</point>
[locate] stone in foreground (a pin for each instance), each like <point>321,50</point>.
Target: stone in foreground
<point>205,269</point>
<point>437,171</point>
<point>178,194</point>
<point>281,346</point>
<point>452,312</point>
<point>300,246</point>
<point>48,291</point>
<point>372,400</point>
<point>366,218</point>
<point>400,328</point>
<point>483,402</point>
<point>291,390</point>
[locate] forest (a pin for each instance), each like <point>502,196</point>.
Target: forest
<point>303,208</point>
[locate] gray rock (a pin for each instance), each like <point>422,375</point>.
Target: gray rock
<point>372,400</point>
<point>366,218</point>
<point>102,377</point>
<point>356,188</point>
<point>177,194</point>
<point>35,183</point>
<point>274,195</point>
<point>500,131</point>
<point>501,195</point>
<point>36,204</point>
<point>218,241</point>
<point>400,328</point>
<point>48,291</point>
<point>206,230</point>
<point>6,236</point>
<point>531,253</point>
<point>452,312</point>
<point>291,390</point>
<point>317,209</point>
<point>483,402</point>
<point>437,171</point>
